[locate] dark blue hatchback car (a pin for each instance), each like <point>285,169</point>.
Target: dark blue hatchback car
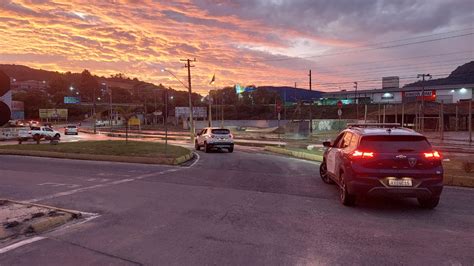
<point>383,160</point>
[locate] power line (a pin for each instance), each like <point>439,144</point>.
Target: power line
<point>365,50</point>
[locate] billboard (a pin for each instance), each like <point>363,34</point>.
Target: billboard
<point>239,89</point>
<point>198,112</point>
<point>72,100</point>
<point>391,82</point>
<point>53,113</point>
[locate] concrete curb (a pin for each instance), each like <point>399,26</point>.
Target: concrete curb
<point>39,224</point>
<point>296,154</point>
<point>93,157</point>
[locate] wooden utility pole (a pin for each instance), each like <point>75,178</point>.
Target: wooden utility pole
<point>310,106</point>
<point>423,99</point>
<point>191,118</point>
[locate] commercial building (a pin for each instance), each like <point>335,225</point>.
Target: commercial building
<point>432,93</point>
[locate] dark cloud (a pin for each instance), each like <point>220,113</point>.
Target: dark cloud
<point>347,19</point>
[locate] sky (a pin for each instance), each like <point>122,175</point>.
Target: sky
<point>247,42</point>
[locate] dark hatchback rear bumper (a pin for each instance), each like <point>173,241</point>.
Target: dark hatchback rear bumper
<point>374,186</point>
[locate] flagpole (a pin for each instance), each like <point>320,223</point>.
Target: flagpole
<point>213,81</point>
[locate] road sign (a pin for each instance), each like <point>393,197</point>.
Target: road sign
<point>339,112</point>
<point>339,104</point>
<point>278,107</point>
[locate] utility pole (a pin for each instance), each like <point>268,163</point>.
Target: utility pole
<point>357,100</point>
<point>423,99</point>
<point>310,106</point>
<point>93,112</point>
<point>191,118</point>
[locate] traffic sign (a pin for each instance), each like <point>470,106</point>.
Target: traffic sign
<point>339,112</point>
<point>278,107</point>
<point>339,104</point>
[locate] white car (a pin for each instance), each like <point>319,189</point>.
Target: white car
<point>71,130</point>
<point>214,137</point>
<point>38,133</point>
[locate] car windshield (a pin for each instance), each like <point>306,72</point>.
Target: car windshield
<point>221,131</point>
<point>394,144</point>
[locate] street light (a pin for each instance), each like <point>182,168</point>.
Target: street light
<point>191,120</point>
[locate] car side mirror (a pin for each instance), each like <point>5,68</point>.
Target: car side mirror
<point>327,144</point>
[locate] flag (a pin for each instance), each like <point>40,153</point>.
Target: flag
<point>213,79</point>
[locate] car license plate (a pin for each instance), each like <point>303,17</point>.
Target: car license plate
<point>400,182</point>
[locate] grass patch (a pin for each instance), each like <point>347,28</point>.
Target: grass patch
<point>315,151</point>
<point>455,174</point>
<point>109,147</point>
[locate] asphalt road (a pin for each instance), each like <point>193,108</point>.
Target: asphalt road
<point>244,208</point>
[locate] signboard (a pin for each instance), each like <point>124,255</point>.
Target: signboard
<point>72,100</point>
<point>390,82</point>
<point>53,113</point>
<point>428,93</point>
<point>278,108</point>
<point>198,112</point>
<point>134,121</point>
<point>239,89</point>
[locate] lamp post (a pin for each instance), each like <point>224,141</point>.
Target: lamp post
<point>191,120</point>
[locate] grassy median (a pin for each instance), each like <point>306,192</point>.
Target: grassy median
<point>110,150</point>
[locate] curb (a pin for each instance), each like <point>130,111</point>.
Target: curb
<point>183,159</point>
<point>93,157</point>
<point>296,154</point>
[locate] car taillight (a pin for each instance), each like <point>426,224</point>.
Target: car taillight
<point>363,154</point>
<point>432,155</point>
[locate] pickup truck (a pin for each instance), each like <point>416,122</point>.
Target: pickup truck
<point>38,133</point>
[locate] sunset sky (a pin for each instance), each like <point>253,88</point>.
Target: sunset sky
<point>272,42</point>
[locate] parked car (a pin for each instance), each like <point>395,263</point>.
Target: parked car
<point>386,160</point>
<point>212,137</point>
<point>71,130</point>
<point>38,133</point>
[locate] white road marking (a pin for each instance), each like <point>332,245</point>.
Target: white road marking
<point>74,191</point>
<point>21,243</point>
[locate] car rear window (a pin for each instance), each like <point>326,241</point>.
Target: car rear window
<point>35,128</point>
<point>71,126</point>
<point>394,144</point>
<point>220,131</point>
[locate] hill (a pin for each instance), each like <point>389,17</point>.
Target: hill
<point>461,75</point>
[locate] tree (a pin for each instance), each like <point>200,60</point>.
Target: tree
<point>88,85</point>
<point>58,88</point>
<point>34,101</point>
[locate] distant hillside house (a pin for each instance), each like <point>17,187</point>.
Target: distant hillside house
<point>28,85</point>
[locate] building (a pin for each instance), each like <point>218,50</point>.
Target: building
<point>294,95</point>
<point>28,85</point>
<point>432,93</point>
<point>18,110</point>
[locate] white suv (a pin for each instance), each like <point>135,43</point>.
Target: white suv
<point>214,137</point>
